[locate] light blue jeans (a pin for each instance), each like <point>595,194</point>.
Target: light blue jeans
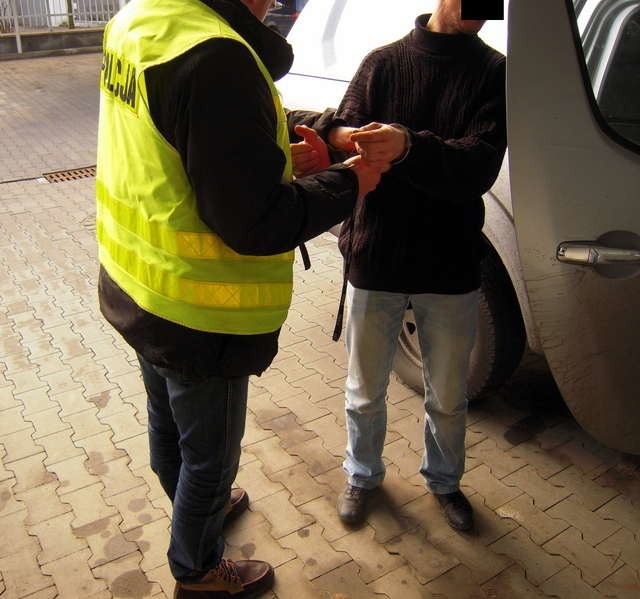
<point>446,330</point>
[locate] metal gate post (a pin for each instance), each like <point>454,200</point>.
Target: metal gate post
<point>16,27</point>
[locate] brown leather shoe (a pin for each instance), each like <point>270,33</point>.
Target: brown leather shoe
<point>238,503</point>
<point>240,580</point>
<point>352,504</point>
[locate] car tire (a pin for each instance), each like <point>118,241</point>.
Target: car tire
<point>500,338</point>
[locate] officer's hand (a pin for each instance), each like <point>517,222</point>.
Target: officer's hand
<point>380,144</point>
<point>310,155</point>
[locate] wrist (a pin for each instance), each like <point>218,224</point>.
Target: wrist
<point>407,143</point>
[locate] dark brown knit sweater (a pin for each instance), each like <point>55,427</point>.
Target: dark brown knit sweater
<point>420,230</point>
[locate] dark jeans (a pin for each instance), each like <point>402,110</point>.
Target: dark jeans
<point>195,430</point>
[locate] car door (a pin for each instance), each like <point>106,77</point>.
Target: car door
<point>573,86</point>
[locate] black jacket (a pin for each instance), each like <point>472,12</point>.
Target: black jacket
<point>213,105</point>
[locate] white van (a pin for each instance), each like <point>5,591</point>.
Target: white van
<point>563,219</point>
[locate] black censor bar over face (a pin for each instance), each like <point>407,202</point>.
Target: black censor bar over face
<point>482,10</point>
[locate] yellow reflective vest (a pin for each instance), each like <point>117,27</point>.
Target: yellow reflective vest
<point>151,240</point>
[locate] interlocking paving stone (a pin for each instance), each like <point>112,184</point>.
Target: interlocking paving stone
<point>303,408</point>
<point>592,527</point>
<point>511,583</point>
<point>88,505</point>
<point>282,515</point>
<point>272,455</point>
<point>623,511</point>
<point>56,539</point>
<point>291,583</point>
<point>288,431</point>
<point>319,557</point>
<point>20,444</point>
<point>252,478</point>
<point>403,456</point>
<point>488,525</point>
<point>162,575</point>
<point>317,458</point>
<point>494,492</point>
<point>23,576</point>
<point>482,562</point>
<point>540,525</point>
<point>544,493</point>
<point>343,582</point>
<point>256,542</point>
<point>135,508</point>
<point>401,582</point>
<point>500,463</point>
<point>428,562</point>
<point>545,463</point>
<point>152,540</point>
<point>8,501</point>
<point>569,583</point>
<point>30,472</point>
<point>623,584</point>
<point>456,582</point>
<point>329,429</point>
<point>323,511</point>
<point>290,367</point>
<point>302,486</point>
<point>538,564</point>
<point>117,477</point>
<point>124,578</point>
<point>624,545</point>
<point>15,537</point>
<point>372,558</point>
<point>585,491</point>
<point>262,406</point>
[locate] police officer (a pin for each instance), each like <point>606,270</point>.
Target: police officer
<point>197,217</point>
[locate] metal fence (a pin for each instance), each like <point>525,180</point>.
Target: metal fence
<point>21,16</point>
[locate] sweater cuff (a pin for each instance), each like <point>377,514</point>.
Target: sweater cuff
<point>407,136</point>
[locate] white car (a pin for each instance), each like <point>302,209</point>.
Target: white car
<point>563,219</point>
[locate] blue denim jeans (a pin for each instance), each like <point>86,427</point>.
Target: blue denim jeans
<point>195,431</point>
<point>446,330</point>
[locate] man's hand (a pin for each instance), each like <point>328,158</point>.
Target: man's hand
<point>368,176</point>
<point>380,144</point>
<point>310,155</point>
<point>340,138</point>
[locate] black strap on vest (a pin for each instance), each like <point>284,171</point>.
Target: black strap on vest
<point>305,256</point>
<point>337,330</point>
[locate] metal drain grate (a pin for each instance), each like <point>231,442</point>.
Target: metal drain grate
<point>70,175</point>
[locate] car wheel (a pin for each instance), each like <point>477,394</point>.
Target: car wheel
<point>500,338</point>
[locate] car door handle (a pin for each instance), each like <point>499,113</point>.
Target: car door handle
<point>589,254</point>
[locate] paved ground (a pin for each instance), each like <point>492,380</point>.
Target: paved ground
<point>82,515</point>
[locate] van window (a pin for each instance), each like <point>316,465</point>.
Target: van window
<point>610,36</point>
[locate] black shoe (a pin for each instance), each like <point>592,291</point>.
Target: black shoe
<point>457,510</point>
<point>352,503</point>
<point>241,580</point>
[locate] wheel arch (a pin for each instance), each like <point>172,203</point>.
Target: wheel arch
<point>499,233</point>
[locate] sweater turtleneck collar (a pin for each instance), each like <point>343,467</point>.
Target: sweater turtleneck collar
<point>445,44</point>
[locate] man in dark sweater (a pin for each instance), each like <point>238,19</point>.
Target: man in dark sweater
<point>434,103</point>
<point>206,108</point>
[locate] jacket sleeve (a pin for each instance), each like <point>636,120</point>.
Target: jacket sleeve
<point>225,132</point>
